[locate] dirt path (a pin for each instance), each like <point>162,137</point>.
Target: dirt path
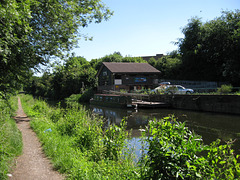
<point>32,164</point>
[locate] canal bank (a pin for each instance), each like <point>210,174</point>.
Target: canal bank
<point>229,104</point>
<point>209,103</point>
<point>210,126</point>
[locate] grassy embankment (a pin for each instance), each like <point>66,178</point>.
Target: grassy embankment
<point>76,142</point>
<point>80,147</point>
<point>10,136</point>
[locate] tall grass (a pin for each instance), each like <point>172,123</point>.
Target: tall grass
<point>78,143</point>
<point>10,136</point>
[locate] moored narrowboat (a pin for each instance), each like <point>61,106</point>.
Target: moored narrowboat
<point>111,100</point>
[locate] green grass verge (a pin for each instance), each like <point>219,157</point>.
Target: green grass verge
<point>10,136</point>
<point>77,144</point>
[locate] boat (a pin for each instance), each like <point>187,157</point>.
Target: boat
<point>147,104</point>
<point>112,100</point>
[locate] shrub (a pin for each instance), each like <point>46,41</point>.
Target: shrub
<point>174,152</point>
<point>225,89</point>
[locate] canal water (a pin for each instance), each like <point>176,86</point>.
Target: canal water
<point>210,126</point>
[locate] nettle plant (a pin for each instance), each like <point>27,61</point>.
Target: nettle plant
<point>175,152</point>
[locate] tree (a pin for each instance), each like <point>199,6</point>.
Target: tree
<point>189,48</point>
<point>115,57</point>
<point>33,31</point>
<point>169,65</point>
<point>211,50</point>
<point>14,30</point>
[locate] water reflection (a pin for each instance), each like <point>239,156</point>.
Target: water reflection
<point>209,125</point>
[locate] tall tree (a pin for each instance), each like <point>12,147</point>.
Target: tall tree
<point>14,31</point>
<point>211,50</point>
<point>33,31</point>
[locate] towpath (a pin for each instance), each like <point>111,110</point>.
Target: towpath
<point>32,164</point>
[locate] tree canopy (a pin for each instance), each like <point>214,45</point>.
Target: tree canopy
<point>33,31</point>
<point>211,50</point>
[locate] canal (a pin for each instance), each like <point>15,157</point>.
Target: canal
<point>210,126</point>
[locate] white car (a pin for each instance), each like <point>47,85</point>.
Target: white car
<point>173,89</point>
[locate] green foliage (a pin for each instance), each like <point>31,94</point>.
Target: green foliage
<point>210,51</point>
<point>168,65</point>
<point>237,93</point>
<point>115,57</point>
<point>34,31</point>
<point>174,152</point>
<point>74,77</point>
<point>114,141</point>
<point>225,89</point>
<point>73,98</point>
<point>10,136</point>
<point>222,161</point>
<point>14,25</point>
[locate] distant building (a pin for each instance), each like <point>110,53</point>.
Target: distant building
<point>146,58</point>
<point>127,76</point>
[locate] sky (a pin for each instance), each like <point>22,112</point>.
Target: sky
<point>146,27</point>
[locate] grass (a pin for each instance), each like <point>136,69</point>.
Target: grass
<point>10,136</point>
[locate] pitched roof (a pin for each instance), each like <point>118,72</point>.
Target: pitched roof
<point>130,67</point>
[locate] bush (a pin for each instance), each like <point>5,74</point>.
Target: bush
<point>174,152</point>
<point>225,89</point>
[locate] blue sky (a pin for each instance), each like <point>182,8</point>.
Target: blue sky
<point>146,27</point>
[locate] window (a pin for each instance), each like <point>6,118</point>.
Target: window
<point>104,73</point>
<point>140,79</point>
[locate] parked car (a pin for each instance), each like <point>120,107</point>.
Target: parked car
<point>172,89</point>
<point>165,83</point>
